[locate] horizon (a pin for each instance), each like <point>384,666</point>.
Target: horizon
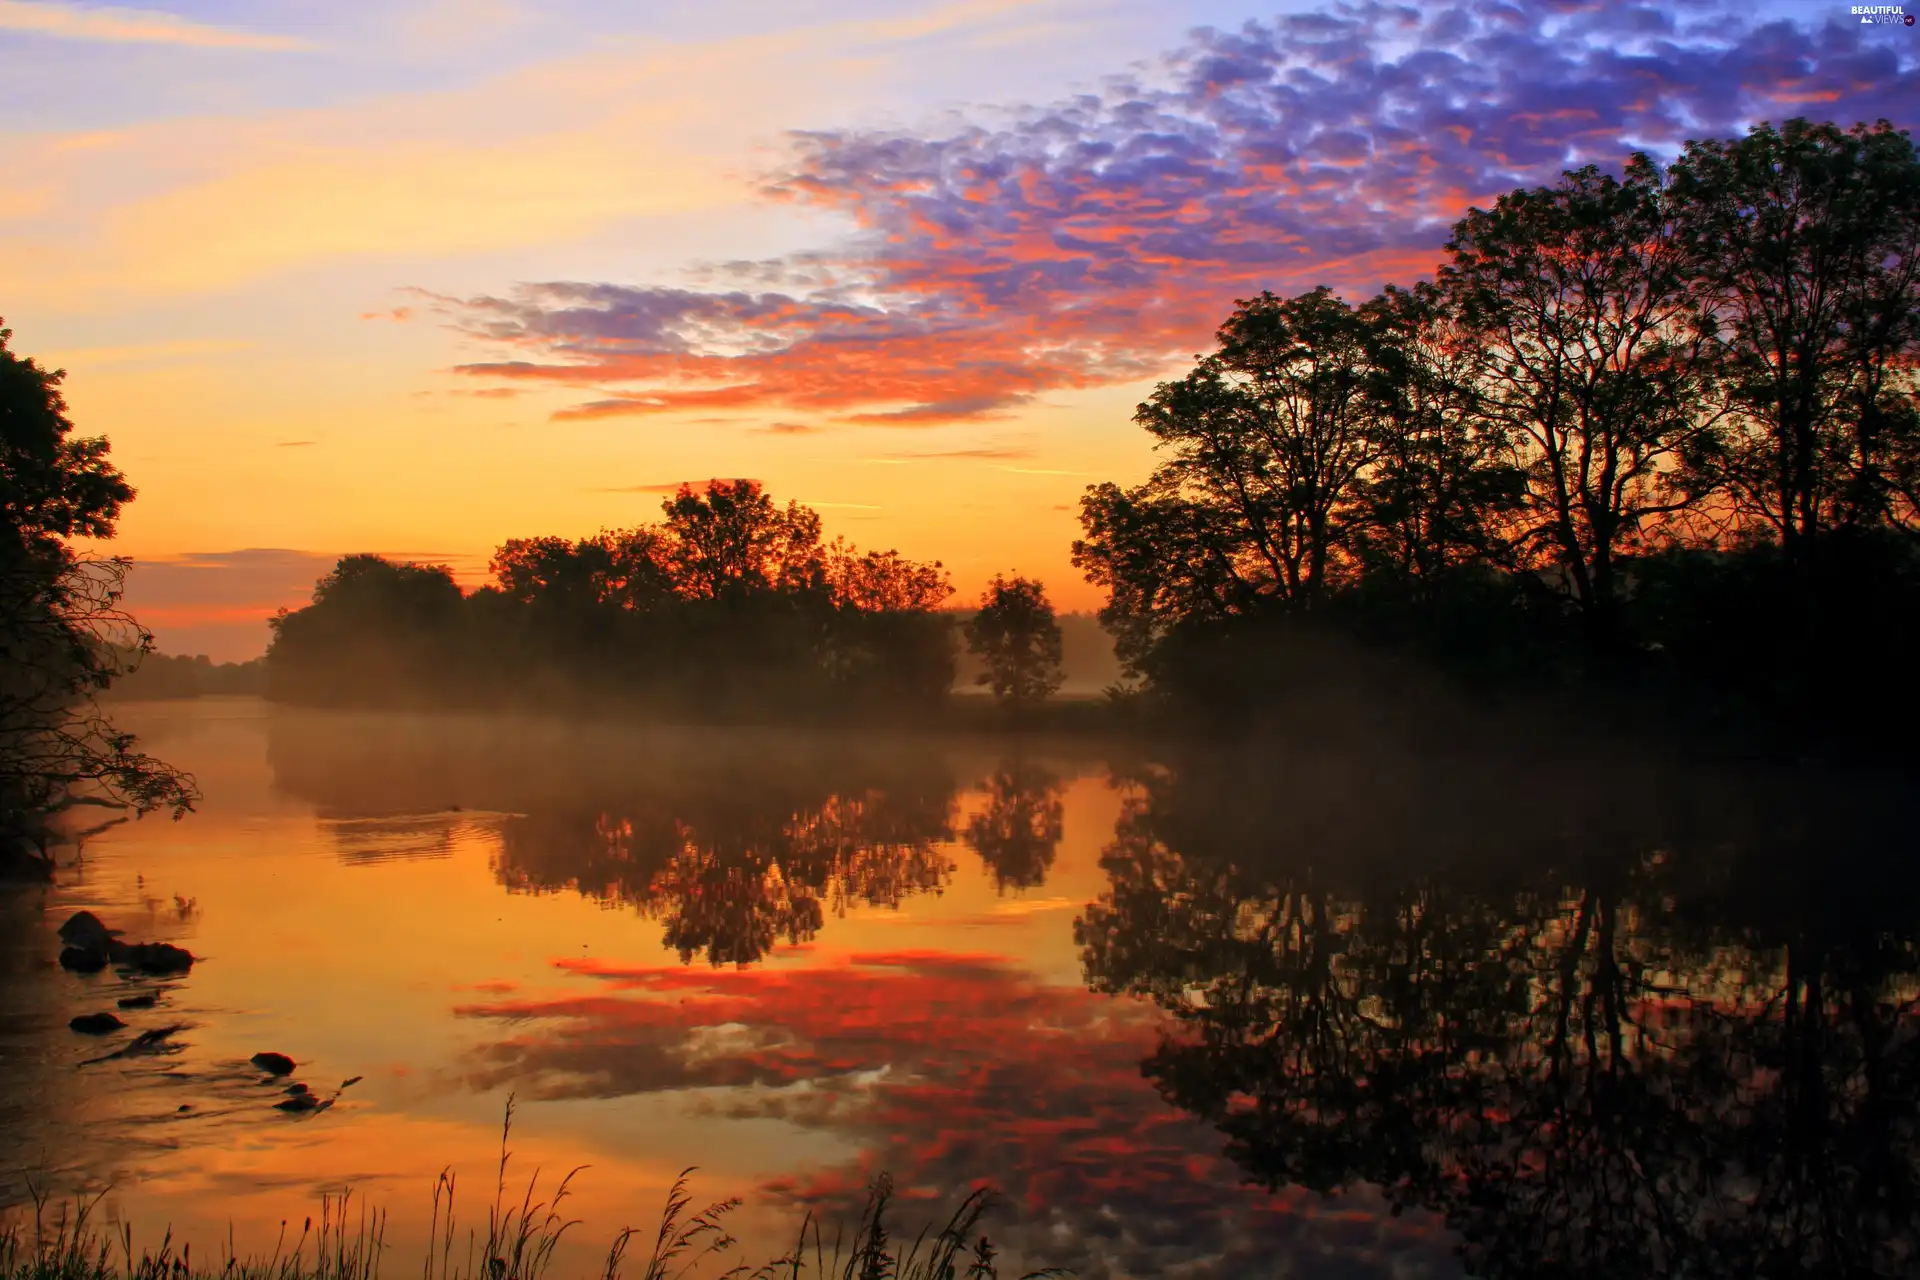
<point>439,276</point>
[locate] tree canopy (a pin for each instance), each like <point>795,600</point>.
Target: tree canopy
<point>1618,427</point>
<point>730,606</point>
<point>63,635</point>
<point>1017,638</point>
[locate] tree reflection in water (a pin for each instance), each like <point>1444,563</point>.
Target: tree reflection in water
<point>735,840</point>
<point>734,871</point>
<point>1666,1028</point>
<point>1017,832</point>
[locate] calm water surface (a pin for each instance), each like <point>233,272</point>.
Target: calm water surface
<point>1641,1021</point>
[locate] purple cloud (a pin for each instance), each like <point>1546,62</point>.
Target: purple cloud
<point>1100,238</point>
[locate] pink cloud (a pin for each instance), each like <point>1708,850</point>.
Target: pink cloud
<point>1099,239</point>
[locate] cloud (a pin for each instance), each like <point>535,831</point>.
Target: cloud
<point>218,602</point>
<point>131,26</point>
<point>294,444</point>
<point>1098,239</point>
<point>988,453</point>
<point>948,1071</point>
<point>956,409</point>
<point>786,429</point>
<point>674,486</point>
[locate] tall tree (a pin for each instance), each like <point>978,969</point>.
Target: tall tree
<point>1579,295</point>
<point>63,635</point>
<point>1804,246</point>
<point>1265,443</point>
<point>1440,492</point>
<point>1269,435</point>
<point>732,540</point>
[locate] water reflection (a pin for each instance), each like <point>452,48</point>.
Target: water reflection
<point>737,843</point>
<point>1017,832</point>
<point>1571,1017</point>
<point>1637,1022</point>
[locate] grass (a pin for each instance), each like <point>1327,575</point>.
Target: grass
<point>522,1238</point>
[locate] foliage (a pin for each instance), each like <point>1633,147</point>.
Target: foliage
<point>63,635</point>
<point>1612,384</point>
<point>1016,637</point>
<point>1668,1027</point>
<point>1804,245</point>
<point>1018,833</point>
<point>730,607</point>
<point>161,676</point>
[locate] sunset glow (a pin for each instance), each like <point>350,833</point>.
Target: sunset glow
<point>419,278</point>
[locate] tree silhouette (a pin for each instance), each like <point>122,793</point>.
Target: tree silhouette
<point>1016,636</point>
<point>1655,436</point>
<point>1018,833</point>
<point>1691,1046</point>
<point>1594,368</point>
<point>63,636</point>
<point>729,608</point>
<point>1804,247</point>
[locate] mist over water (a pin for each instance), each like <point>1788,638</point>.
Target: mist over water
<point>1222,1010</point>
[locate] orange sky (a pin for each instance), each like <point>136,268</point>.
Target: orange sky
<point>417,278</point>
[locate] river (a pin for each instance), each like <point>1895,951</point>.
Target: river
<point>1160,1009</point>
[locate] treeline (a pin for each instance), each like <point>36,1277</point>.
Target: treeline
<point>731,606</point>
<point>1652,440</point>
<point>160,676</point>
<point>735,840</point>
<point>1652,433</point>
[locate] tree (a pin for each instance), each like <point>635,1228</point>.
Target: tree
<point>729,607</point>
<point>1015,634</point>
<point>884,581</point>
<point>1804,247</point>
<point>1593,367</point>
<point>63,636</point>
<point>1266,439</point>
<point>1017,833</point>
<point>1439,493</point>
<point>377,631</point>
<point>1253,508</point>
<point>733,541</point>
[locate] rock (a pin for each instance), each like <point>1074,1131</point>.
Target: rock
<point>96,1024</point>
<point>151,957</point>
<point>84,930</point>
<point>91,947</point>
<point>80,960</point>
<point>297,1090</point>
<point>274,1064</point>
<point>299,1102</point>
<point>138,1002</point>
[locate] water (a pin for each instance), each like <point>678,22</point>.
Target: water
<point>1642,1018</point>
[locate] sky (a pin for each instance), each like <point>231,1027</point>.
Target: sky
<point>420,276</point>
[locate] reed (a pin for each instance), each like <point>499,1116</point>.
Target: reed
<point>523,1235</point>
